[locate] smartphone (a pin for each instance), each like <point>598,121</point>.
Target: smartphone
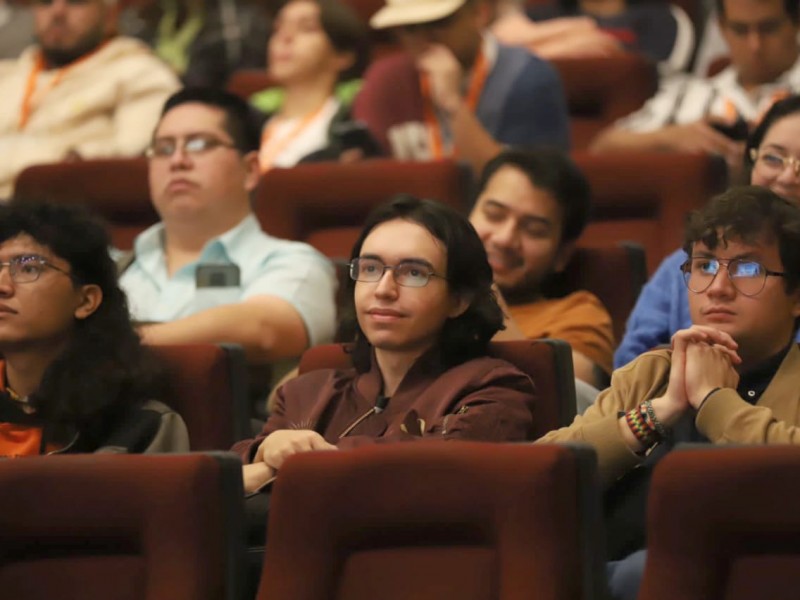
<point>217,276</point>
<point>738,131</point>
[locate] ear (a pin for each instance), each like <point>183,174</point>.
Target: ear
<point>111,18</point>
<point>252,170</point>
<point>796,306</point>
<point>343,61</point>
<point>563,256</point>
<point>484,13</point>
<point>459,306</point>
<point>90,297</point>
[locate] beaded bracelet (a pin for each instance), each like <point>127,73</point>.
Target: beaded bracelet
<point>639,428</point>
<point>663,432</point>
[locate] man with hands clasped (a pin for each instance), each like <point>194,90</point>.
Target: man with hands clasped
<point>729,378</point>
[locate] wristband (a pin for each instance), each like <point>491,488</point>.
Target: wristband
<point>663,432</point>
<point>706,397</point>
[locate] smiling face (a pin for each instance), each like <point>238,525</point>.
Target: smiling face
<point>761,324</point>
<point>781,140</point>
<point>520,227</point>
<point>399,319</point>
<point>214,184</point>
<point>68,29</point>
<point>42,312</point>
<point>299,49</point>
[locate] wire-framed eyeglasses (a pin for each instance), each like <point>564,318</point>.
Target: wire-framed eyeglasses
<point>27,269</point>
<point>406,273</point>
<point>748,276</point>
<point>193,145</point>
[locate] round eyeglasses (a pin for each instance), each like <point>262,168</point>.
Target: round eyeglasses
<point>193,145</point>
<point>27,269</point>
<point>774,163</point>
<point>406,273</point>
<point>748,276</point>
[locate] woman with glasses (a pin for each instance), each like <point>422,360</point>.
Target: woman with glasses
<point>772,159</point>
<point>423,313</point>
<point>74,376</point>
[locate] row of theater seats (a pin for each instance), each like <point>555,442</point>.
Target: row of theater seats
<point>598,91</point>
<point>640,198</point>
<point>428,521</point>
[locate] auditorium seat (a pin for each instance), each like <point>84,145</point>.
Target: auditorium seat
<point>246,82</point>
<point>325,204</point>
<point>644,197</point>
<point>209,390</point>
<point>722,524</point>
<point>115,189</point>
<point>601,90</point>
<point>133,527</point>
<point>547,362</point>
<point>435,521</point>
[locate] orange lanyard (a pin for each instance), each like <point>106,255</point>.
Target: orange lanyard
<point>731,114</point>
<point>270,150</point>
<point>30,86</point>
<point>478,79</point>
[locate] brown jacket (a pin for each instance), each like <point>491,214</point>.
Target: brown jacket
<point>482,399</point>
<point>724,418</point>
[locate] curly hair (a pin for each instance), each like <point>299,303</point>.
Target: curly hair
<point>103,369</point>
<point>468,275</point>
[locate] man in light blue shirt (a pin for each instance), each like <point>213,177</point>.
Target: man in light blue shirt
<point>206,272</point>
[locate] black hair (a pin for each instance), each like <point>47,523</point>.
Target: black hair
<point>103,370</point>
<point>346,32</point>
<point>779,110</point>
<point>790,7</point>
<point>242,122</point>
<point>750,214</point>
<point>554,172</point>
<point>468,275</point>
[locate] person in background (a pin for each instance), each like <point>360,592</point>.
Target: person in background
<point>424,313</point>
<point>317,51</point>
<point>532,206</point>
<point>204,41</point>
<point>74,376</point>
<point>81,91</point>
<point>771,159</point>
<point>16,28</point>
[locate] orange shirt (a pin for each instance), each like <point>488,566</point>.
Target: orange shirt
<point>18,439</point>
<point>579,319</point>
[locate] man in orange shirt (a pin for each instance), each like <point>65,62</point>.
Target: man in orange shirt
<point>531,208</point>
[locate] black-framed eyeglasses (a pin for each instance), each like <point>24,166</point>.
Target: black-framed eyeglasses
<point>27,269</point>
<point>194,144</point>
<point>406,273</point>
<point>748,276</point>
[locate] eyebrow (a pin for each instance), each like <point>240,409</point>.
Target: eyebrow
<point>743,256</point>
<point>777,147</point>
<point>413,261</point>
<point>185,135</point>
<point>524,217</point>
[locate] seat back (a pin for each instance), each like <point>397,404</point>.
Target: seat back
<point>435,521</point>
<point>208,384</point>
<point>615,274</point>
<point>547,362</point>
<point>645,197</point>
<point>601,90</point>
<point>246,82</point>
<point>134,527</point>
<point>722,524</point>
<point>115,189</point>
<point>325,204</point>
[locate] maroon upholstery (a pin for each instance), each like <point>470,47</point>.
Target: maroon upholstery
<point>601,90</point>
<point>116,189</point>
<point>325,204</point>
<point>246,82</point>
<point>209,390</point>
<point>433,521</point>
<point>615,274</point>
<point>723,523</point>
<point>136,527</point>
<point>644,197</point>
<point>547,362</point>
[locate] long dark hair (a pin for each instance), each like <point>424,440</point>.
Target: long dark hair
<point>103,369</point>
<point>468,275</point>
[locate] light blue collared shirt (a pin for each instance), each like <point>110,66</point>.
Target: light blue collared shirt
<point>268,266</point>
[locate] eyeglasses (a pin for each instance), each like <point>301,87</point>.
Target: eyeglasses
<point>774,163</point>
<point>26,269</point>
<point>407,274</point>
<point>747,276</point>
<point>194,145</point>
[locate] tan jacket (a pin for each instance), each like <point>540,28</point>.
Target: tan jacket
<point>724,418</point>
<point>105,105</point>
